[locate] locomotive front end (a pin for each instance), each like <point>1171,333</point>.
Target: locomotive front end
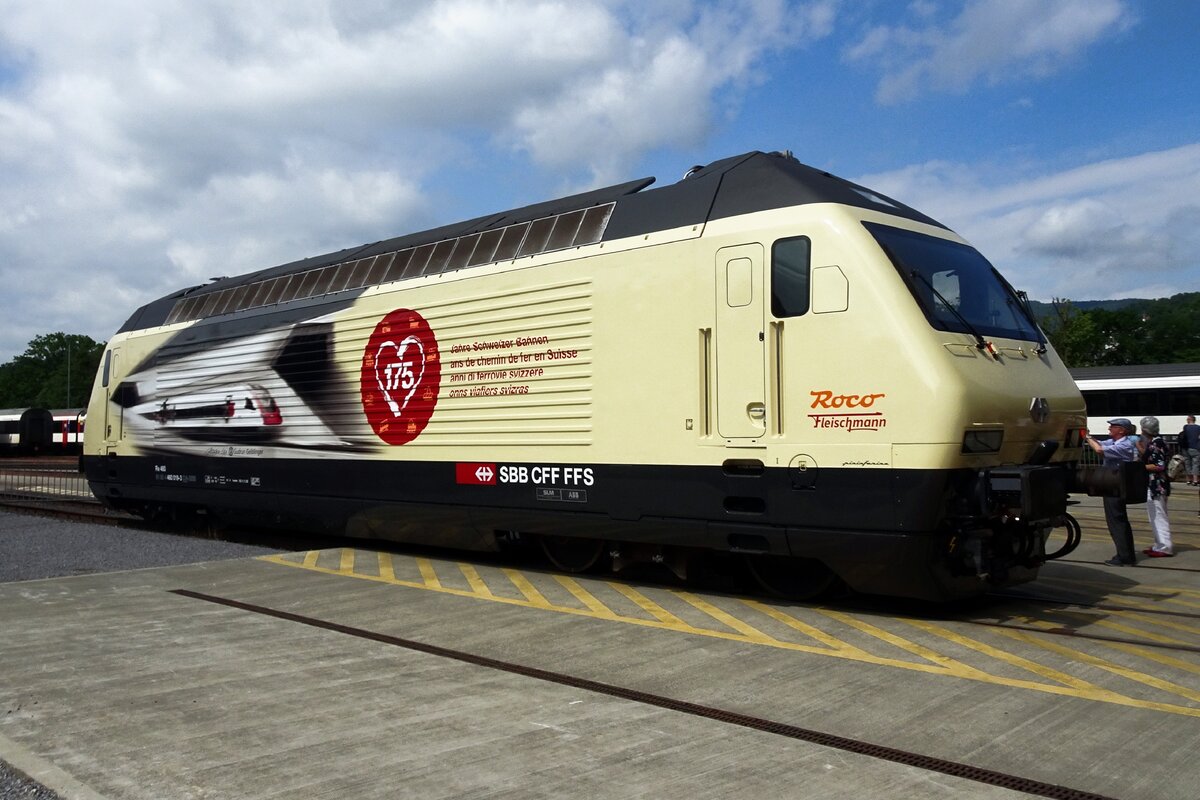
<point>1006,409</point>
<point>1001,519</point>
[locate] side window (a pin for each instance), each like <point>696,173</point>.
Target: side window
<point>790,272</point>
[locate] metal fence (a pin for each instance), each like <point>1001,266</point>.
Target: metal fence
<point>1090,458</point>
<point>44,483</point>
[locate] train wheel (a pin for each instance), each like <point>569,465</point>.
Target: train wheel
<point>571,554</point>
<point>790,578</point>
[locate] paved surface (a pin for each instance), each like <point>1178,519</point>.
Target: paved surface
<point>35,547</point>
<point>115,686</point>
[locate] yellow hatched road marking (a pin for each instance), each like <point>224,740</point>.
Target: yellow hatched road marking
<point>1146,652</point>
<point>1130,629</point>
<point>1184,603</point>
<point>477,585</point>
<point>821,636</point>
<point>528,589</point>
<point>1163,594</point>
<point>587,598</point>
<point>649,606</point>
<point>386,570</point>
<point>1132,649</point>
<point>1155,620</point>
<point>428,574</point>
<point>347,561</point>
<point>1116,626</point>
<point>1001,655</point>
<point>1133,601</point>
<point>831,647</point>
<point>947,665</point>
<point>749,631</point>
<point>1116,669</point>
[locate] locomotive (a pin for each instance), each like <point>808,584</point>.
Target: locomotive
<point>761,359</point>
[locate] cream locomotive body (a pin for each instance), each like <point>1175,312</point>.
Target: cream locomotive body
<point>761,358</point>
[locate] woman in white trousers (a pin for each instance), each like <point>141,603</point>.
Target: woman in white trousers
<point>1158,490</point>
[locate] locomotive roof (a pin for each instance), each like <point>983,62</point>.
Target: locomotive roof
<point>750,182</point>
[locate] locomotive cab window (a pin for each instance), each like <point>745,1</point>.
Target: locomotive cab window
<point>790,276</point>
<point>954,285</point>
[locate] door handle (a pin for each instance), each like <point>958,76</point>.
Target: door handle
<point>757,410</point>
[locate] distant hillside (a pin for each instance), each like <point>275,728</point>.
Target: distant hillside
<point>1110,333</point>
<point>1041,309</point>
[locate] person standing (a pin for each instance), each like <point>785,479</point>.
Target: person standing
<point>1157,490</point>
<point>1189,445</point>
<point>1115,450</point>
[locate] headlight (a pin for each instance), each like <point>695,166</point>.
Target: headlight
<point>982,441</point>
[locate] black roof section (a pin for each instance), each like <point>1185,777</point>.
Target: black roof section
<point>742,184</point>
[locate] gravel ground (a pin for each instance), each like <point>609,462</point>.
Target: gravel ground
<point>34,547</point>
<point>14,786</point>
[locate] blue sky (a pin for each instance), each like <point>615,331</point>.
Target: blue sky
<point>148,147</point>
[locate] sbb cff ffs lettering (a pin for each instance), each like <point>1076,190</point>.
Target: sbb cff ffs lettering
<point>540,476</point>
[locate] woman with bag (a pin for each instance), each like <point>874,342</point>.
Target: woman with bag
<point>1158,490</point>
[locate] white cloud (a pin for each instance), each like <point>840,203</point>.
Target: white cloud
<point>1118,228</point>
<point>990,41</point>
<point>148,146</point>
<point>662,91</point>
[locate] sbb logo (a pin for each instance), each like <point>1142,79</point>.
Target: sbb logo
<point>475,474</point>
<point>401,376</point>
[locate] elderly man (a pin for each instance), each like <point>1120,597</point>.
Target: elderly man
<point>1119,447</point>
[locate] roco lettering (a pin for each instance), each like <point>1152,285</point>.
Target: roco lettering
<point>824,399</point>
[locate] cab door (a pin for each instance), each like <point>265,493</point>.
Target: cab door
<point>740,352</point>
<point>114,413</point>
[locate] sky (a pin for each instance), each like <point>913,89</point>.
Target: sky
<point>147,147</point>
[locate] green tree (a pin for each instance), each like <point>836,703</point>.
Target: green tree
<point>55,371</point>
<point>1093,334</point>
<point>1173,330</point>
<point>1073,333</point>
<point>1123,337</point>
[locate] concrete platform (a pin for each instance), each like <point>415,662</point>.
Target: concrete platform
<point>115,686</point>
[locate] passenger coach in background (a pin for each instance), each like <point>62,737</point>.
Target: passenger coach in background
<point>761,359</point>
<point>67,431</point>
<point>1167,391</point>
<point>25,431</point>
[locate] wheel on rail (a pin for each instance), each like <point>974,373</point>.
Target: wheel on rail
<point>791,578</point>
<point>571,554</point>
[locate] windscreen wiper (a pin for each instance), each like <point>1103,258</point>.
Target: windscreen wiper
<point>979,341</point>
<point>1042,344</point>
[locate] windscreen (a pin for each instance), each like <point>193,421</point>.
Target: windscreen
<point>955,286</point>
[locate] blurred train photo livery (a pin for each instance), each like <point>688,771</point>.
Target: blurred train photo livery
<point>762,359</point>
